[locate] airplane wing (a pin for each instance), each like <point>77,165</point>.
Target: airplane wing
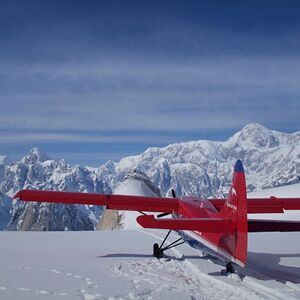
<point>117,202</point>
<point>264,205</point>
<point>268,205</point>
<point>152,204</point>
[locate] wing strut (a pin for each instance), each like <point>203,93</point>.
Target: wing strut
<point>158,251</point>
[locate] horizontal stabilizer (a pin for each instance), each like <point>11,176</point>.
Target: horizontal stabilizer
<point>216,225</point>
<point>272,225</point>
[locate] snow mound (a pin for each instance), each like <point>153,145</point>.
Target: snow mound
<point>136,183</point>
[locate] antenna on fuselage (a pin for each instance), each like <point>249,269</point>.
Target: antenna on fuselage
<point>173,193</point>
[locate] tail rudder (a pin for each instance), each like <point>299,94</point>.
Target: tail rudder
<point>235,209</point>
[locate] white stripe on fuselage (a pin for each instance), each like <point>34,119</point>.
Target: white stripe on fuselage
<point>203,243</point>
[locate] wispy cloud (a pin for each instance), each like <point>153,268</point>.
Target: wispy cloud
<point>226,92</point>
<point>131,73</point>
<point>90,137</point>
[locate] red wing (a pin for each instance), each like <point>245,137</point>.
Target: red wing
<point>273,204</point>
<point>265,205</point>
<point>139,203</point>
<point>118,202</point>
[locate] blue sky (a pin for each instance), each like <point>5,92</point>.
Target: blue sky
<point>90,81</point>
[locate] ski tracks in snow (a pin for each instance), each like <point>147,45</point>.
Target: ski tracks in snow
<point>172,279</point>
<point>215,287</point>
<point>141,278</point>
<point>175,279</point>
<point>62,275</point>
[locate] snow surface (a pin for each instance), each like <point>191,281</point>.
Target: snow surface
<point>119,265</point>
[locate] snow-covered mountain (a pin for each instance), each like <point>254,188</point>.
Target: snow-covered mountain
<point>205,168</point>
<point>38,171</point>
<point>202,168</point>
<point>137,184</point>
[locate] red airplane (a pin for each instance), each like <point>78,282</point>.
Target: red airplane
<point>218,227</point>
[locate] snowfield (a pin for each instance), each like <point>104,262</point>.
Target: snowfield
<point>119,265</point>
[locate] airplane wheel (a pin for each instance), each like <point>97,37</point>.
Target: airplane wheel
<point>230,268</point>
<point>156,250</point>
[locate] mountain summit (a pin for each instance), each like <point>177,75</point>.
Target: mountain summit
<point>256,135</point>
<point>35,155</point>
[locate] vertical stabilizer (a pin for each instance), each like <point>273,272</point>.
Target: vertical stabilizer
<point>235,209</point>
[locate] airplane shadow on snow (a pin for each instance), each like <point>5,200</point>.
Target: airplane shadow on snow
<point>126,255</point>
<point>264,266</point>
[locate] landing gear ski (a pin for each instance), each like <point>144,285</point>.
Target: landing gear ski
<point>157,252</point>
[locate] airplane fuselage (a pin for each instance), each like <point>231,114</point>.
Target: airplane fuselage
<point>207,242</point>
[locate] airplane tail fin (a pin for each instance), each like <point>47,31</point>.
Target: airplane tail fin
<point>235,209</point>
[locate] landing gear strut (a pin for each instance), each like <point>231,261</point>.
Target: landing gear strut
<point>158,251</point>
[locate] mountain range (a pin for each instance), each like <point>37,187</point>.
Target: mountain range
<point>202,168</point>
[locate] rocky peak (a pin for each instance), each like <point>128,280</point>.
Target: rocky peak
<point>35,155</point>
